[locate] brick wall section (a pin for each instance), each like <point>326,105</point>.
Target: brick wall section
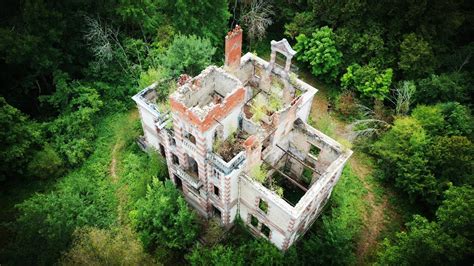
<point>233,48</point>
<point>217,113</point>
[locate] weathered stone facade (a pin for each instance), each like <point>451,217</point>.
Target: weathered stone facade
<point>220,104</point>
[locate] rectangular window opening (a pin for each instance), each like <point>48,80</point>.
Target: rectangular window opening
<point>253,221</point>
<point>314,151</point>
<point>266,230</point>
<point>263,205</point>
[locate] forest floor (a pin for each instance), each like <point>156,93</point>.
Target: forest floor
<point>378,212</point>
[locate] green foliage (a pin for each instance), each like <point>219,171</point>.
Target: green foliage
<point>145,16</point>
<point>47,221</point>
<point>17,137</point>
<point>425,153</point>
<point>188,54</point>
<point>275,97</point>
<point>259,172</point>
<point>256,252</point>
<point>325,124</point>
<point>401,156</point>
<point>217,255</point>
<point>450,119</point>
<point>368,80</point>
<point>259,108</point>
<point>93,246</point>
<point>191,17</point>
<point>46,164</point>
<point>451,160</point>
<point>140,169</point>
<point>307,175</point>
<point>446,241</point>
<point>172,225</point>
<point>149,77</point>
<point>332,240</point>
<point>443,88</point>
<point>263,205</point>
<point>365,46</point>
<point>73,130</point>
<point>455,214</point>
<point>416,56</point>
<point>320,52</point>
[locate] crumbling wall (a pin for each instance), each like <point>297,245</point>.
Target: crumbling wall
<point>277,217</point>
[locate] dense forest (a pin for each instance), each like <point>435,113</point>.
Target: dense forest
<point>398,77</point>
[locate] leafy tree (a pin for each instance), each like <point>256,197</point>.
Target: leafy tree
<point>455,214</point>
<point>451,160</point>
<point>320,52</point>
<point>172,225</point>
<point>446,241</point>
<point>445,119</point>
<point>191,17</point>
<point>94,246</point>
<point>416,56</point>
<point>72,131</point>
<point>366,46</point>
<point>188,54</point>
<point>143,17</point>
<point>422,237</point>
<point>368,81</point>
<point>46,164</point>
<point>430,118</point>
<point>302,23</point>
<point>443,88</point>
<point>17,138</point>
<point>262,252</point>
<point>401,156</point>
<point>459,120</point>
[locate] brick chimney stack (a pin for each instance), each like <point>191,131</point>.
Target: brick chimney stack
<point>233,48</point>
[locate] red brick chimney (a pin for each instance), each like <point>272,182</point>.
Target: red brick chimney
<point>233,48</point>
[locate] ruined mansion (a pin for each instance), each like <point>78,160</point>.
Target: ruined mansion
<point>238,144</point>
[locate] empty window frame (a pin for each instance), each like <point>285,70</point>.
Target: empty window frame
<point>190,137</point>
<point>263,205</point>
<point>313,150</point>
<point>216,191</point>
<point>175,159</point>
<point>265,230</point>
<point>253,221</point>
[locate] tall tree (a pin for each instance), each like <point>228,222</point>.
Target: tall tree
<point>193,17</point>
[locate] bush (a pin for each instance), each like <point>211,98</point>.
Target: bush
<point>320,52</point>
<point>46,164</point>
<point>172,225</point>
<point>188,54</point>
<point>368,80</point>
